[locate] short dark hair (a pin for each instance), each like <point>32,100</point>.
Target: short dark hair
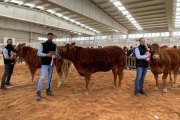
<point>140,39</point>
<point>50,34</point>
<point>131,47</point>
<point>8,40</point>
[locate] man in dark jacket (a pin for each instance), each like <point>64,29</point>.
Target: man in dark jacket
<point>47,51</point>
<point>9,61</point>
<point>141,67</point>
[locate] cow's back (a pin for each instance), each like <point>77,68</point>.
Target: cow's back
<point>103,59</point>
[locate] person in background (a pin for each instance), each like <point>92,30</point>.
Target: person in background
<point>141,67</point>
<point>175,46</point>
<point>47,51</point>
<point>126,50</point>
<point>130,52</point>
<point>9,61</point>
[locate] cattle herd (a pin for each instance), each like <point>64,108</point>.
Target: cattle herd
<point>164,60</point>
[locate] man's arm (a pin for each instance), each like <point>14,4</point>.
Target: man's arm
<point>138,56</point>
<point>5,53</point>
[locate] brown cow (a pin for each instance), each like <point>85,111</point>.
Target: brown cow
<point>88,61</point>
<point>33,61</point>
<point>164,61</point>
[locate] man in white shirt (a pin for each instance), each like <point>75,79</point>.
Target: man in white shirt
<point>9,61</point>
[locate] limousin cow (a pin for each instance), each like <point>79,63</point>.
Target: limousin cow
<point>91,60</point>
<point>33,62</point>
<point>164,61</point>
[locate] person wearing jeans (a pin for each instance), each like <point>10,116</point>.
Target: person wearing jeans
<point>141,67</point>
<point>9,61</point>
<point>47,51</point>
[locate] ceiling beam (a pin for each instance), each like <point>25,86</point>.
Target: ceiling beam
<point>169,13</point>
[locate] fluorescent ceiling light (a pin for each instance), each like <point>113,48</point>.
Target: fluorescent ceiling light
<point>177,9</point>
<point>50,11</point>
<point>128,16</point>
<point>79,33</point>
<point>30,5</point>
<point>139,28</point>
<point>39,7</point>
<point>121,8</point>
<point>58,14</point>
<point>72,20</point>
<point>125,12</point>
<point>91,28</point>
<point>6,0</point>
<point>75,32</point>
<point>117,3</point>
<point>130,19</point>
<point>177,17</point>
<point>86,26</point>
<point>133,21</point>
<point>66,18</point>
<point>17,2</point>
<point>136,24</point>
<point>82,25</point>
<point>78,23</point>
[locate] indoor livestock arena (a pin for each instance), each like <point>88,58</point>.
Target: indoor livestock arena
<point>90,59</point>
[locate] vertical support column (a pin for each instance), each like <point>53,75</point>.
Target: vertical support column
<point>94,43</point>
<point>170,33</point>
<point>30,38</point>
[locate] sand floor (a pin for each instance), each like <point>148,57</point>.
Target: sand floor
<point>103,103</point>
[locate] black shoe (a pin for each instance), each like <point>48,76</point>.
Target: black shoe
<point>142,92</point>
<point>38,96</point>
<point>4,87</point>
<point>9,84</point>
<point>136,93</point>
<point>48,92</point>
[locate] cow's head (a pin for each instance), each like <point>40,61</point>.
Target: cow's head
<point>68,51</point>
<point>19,48</point>
<point>155,49</point>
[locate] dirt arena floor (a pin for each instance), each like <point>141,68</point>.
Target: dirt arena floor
<point>103,103</point>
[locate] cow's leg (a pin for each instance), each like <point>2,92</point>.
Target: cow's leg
<point>175,71</point>
<point>120,75</point>
<point>60,73</point>
<point>87,79</point>
<point>157,84</point>
<point>164,78</point>
<point>33,71</point>
<point>66,71</point>
<point>170,77</point>
<point>114,70</point>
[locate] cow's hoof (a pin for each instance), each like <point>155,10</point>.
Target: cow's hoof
<point>31,83</point>
<point>170,81</point>
<point>58,86</point>
<point>114,86</point>
<point>87,93</point>
<point>65,83</point>
<point>174,85</point>
<point>165,90</point>
<point>156,88</point>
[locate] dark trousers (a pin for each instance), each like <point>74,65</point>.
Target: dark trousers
<point>8,70</point>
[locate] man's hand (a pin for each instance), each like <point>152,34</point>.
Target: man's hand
<point>149,55</point>
<point>49,55</point>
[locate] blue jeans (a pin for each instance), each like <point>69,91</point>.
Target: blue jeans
<point>44,69</point>
<point>140,75</point>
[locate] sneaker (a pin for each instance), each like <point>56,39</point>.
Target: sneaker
<point>4,87</point>
<point>48,92</point>
<point>38,96</point>
<point>136,93</point>
<point>142,92</point>
<point>9,84</point>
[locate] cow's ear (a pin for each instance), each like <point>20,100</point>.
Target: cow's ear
<point>23,44</point>
<point>72,45</point>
